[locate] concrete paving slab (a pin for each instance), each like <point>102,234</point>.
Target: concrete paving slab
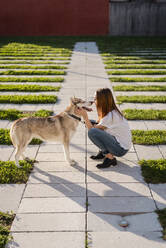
<point>148,152</point>
<point>49,222</point>
<point>42,239</point>
<point>137,125</point>
<point>159,195</point>
<point>127,176</point>
<point>133,240</point>
<point>52,205</point>
<point>162,149</point>
<point>121,204</point>
<point>59,148</point>
<point>10,195</point>
<point>57,177</point>
<point>148,222</point>
<point>30,152</point>
<point>55,190</point>
<point>58,166</point>
<point>59,157</point>
<point>6,152</point>
<point>97,222</point>
<point>4,123</point>
<point>118,189</point>
<point>159,125</point>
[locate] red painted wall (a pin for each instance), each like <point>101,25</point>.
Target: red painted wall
<point>54,17</point>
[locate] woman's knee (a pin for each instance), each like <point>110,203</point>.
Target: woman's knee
<point>92,132</point>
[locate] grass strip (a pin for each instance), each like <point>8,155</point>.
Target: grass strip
<point>34,58</point>
<point>28,88</point>
<point>10,173</point>
<point>127,66</point>
<point>134,62</point>
<point>154,171</point>
<point>162,219</point>
<point>150,137</point>
<point>136,72</point>
<point>13,114</point>
<point>135,79</point>
<point>32,72</point>
<point>6,220</point>
<point>33,62</point>
<point>141,99</point>
<point>5,138</point>
<point>32,79</point>
<point>34,99</point>
<point>140,57</point>
<point>139,88</point>
<point>144,114</point>
<point>32,67</point>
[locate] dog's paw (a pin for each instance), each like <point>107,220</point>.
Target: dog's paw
<point>72,162</point>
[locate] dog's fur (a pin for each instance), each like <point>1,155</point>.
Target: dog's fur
<point>53,128</point>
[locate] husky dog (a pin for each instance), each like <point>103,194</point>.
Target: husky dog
<point>60,128</point>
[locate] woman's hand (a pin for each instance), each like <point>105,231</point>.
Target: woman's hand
<point>82,112</point>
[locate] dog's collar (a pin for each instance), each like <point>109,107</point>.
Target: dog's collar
<point>74,116</point>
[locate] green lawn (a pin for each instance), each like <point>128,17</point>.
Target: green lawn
<point>27,88</point>
<point>141,99</point>
<point>5,138</point>
<point>13,114</point>
<point>6,220</point>
<point>137,79</point>
<point>150,137</point>
<point>144,114</point>
<point>32,79</point>
<point>10,173</point>
<point>32,72</point>
<point>35,99</point>
<point>139,88</point>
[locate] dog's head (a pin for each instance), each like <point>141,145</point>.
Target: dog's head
<point>79,103</point>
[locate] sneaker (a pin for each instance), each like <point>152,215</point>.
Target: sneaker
<point>107,163</point>
<point>98,156</point>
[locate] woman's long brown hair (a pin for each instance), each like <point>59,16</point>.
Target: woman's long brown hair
<point>105,102</point>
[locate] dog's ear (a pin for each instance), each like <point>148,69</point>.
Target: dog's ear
<point>72,100</point>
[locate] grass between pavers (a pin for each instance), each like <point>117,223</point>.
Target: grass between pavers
<point>6,220</point>
<point>137,79</point>
<point>29,62</point>
<point>33,72</point>
<point>144,114</point>
<point>32,67</point>
<point>150,137</point>
<point>35,99</point>
<point>13,114</point>
<point>32,79</point>
<point>136,72</point>
<point>5,138</point>
<point>128,62</point>
<point>139,88</point>
<point>28,88</point>
<point>141,99</point>
<point>23,53</point>
<point>154,171</point>
<point>162,219</point>
<point>34,58</point>
<point>130,57</point>
<point>127,66</point>
<point>10,173</point>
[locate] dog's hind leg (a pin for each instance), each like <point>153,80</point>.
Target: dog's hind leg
<point>18,153</point>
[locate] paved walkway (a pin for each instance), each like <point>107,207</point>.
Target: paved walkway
<point>60,203</point>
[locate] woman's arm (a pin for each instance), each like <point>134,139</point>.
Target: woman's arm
<point>88,123</point>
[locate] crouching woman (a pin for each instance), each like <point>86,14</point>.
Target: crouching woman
<point>112,134</point>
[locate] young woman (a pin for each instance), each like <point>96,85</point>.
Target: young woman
<point>112,133</point>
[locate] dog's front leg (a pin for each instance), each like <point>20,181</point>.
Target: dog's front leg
<point>67,153</point>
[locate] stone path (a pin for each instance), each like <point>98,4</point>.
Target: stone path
<point>62,206</point>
